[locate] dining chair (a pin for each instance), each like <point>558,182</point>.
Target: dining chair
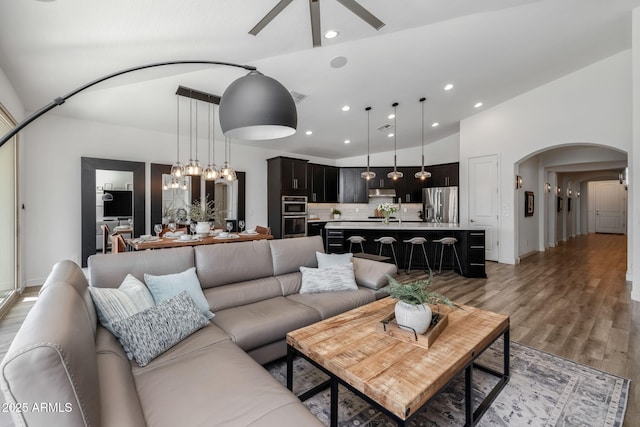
<point>118,244</point>
<point>106,242</point>
<point>263,230</point>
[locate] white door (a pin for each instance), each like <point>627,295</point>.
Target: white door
<point>483,201</point>
<point>610,207</point>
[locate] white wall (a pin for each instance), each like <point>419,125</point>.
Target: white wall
<point>528,227</point>
<point>633,225</point>
<point>592,105</point>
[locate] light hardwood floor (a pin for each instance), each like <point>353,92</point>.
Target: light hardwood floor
<point>572,301</point>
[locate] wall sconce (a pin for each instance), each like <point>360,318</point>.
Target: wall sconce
<point>558,190</point>
<point>547,188</point>
<point>518,182</point>
<point>568,192</point>
<point>577,194</point>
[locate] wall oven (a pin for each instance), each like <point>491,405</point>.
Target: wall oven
<point>294,216</point>
<point>294,205</point>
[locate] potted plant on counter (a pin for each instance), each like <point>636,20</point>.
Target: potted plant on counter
<point>412,309</point>
<point>386,209</point>
<point>336,213</point>
<point>201,212</point>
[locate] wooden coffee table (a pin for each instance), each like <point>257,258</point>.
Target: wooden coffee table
<point>398,377</point>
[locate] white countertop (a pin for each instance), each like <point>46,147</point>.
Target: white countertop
<point>395,226</point>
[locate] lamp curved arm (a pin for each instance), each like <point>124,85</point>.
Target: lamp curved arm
<point>61,99</point>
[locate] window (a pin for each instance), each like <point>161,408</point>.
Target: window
<point>8,214</point>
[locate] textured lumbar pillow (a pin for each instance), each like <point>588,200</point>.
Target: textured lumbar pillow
<point>169,285</point>
<point>150,333</point>
<point>117,304</point>
<point>327,260</point>
<point>334,278</point>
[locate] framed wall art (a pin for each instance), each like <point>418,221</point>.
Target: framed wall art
<point>528,203</point>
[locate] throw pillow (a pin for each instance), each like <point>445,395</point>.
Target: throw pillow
<point>112,305</point>
<point>327,260</point>
<point>335,278</point>
<point>150,333</point>
<point>169,285</point>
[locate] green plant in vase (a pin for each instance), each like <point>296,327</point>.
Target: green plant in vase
<point>386,209</point>
<point>202,211</point>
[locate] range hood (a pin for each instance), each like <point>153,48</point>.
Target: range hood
<point>382,192</point>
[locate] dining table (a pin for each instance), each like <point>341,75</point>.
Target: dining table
<point>139,244</point>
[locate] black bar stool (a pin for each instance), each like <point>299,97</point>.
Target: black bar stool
<point>450,242</point>
<point>414,242</point>
<point>357,240</point>
<point>388,240</point>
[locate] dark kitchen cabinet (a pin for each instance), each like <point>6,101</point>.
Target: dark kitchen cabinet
<point>323,187</point>
<point>409,188</point>
<point>445,175</point>
<point>381,180</point>
<point>285,177</point>
<point>353,188</point>
<point>316,228</point>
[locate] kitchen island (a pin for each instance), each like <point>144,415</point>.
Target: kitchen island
<point>470,244</point>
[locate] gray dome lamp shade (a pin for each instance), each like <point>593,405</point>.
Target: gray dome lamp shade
<point>256,107</point>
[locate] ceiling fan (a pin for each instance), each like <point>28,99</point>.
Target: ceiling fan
<point>314,6</point>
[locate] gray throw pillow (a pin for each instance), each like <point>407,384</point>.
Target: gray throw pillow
<point>168,285</point>
<point>334,278</point>
<point>327,260</point>
<point>113,305</point>
<point>150,333</point>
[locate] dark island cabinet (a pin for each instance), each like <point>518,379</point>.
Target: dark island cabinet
<point>353,188</point>
<point>323,187</point>
<point>316,228</point>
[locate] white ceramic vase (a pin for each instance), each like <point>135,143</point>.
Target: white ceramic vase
<point>417,317</point>
<point>203,227</point>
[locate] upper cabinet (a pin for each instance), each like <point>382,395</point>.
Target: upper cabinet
<point>353,188</point>
<point>445,175</point>
<point>409,188</point>
<point>323,187</point>
<point>289,175</point>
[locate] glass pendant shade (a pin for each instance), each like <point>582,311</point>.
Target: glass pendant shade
<point>210,173</point>
<point>165,186</point>
<point>423,174</point>
<point>177,170</point>
<point>395,174</point>
<point>175,183</point>
<point>368,174</point>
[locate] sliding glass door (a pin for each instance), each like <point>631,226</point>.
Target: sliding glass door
<point>8,217</point>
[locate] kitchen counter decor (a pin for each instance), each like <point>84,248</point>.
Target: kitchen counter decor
<point>387,209</point>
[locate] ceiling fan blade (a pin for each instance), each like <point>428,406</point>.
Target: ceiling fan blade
<point>269,16</point>
<point>314,8</point>
<point>362,13</point>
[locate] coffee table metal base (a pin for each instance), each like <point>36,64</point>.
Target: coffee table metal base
<point>471,416</point>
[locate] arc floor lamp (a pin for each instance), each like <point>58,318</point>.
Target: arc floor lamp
<point>253,107</point>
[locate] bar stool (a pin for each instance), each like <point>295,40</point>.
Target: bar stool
<point>414,242</point>
<point>447,241</point>
<point>357,240</point>
<point>388,240</point>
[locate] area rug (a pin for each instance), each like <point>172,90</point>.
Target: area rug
<point>544,390</point>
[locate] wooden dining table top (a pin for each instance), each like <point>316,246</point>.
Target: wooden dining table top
<point>169,242</point>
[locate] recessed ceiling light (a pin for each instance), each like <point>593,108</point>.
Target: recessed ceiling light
<point>346,108</point>
<point>346,141</point>
<point>391,116</point>
<point>478,104</point>
<point>448,86</point>
<point>435,125</point>
<point>331,34</point>
<point>308,132</point>
<point>391,135</point>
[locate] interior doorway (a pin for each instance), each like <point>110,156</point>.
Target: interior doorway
<point>610,202</point>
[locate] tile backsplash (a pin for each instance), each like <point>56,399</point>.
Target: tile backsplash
<point>361,210</point>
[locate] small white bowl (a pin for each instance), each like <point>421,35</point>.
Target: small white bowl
<point>223,234</point>
<point>185,237</point>
<point>251,231</point>
<point>145,236</point>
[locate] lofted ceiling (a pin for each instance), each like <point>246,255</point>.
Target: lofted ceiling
<point>490,50</point>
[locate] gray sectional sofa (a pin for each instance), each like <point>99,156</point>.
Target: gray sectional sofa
<point>63,358</point>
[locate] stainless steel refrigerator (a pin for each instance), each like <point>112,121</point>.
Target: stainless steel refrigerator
<point>440,204</point>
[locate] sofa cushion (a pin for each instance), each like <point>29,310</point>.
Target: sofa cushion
<point>113,305</point>
<point>109,270</point>
<point>224,264</point>
<point>328,260</point>
<point>233,295</point>
<point>153,331</point>
<point>225,388</point>
<point>290,283</point>
<point>333,303</point>
<point>260,323</point>
<point>169,285</point>
<point>289,254</point>
<point>330,279</point>
<point>372,274</point>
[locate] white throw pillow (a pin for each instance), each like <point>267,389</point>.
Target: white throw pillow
<point>113,305</point>
<point>170,285</point>
<point>327,260</point>
<point>334,278</point>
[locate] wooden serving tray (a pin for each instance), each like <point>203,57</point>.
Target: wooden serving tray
<point>390,327</point>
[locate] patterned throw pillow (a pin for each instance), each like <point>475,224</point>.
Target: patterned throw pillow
<point>150,333</point>
<point>334,278</point>
<point>113,305</point>
<point>327,260</point>
<point>169,285</point>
